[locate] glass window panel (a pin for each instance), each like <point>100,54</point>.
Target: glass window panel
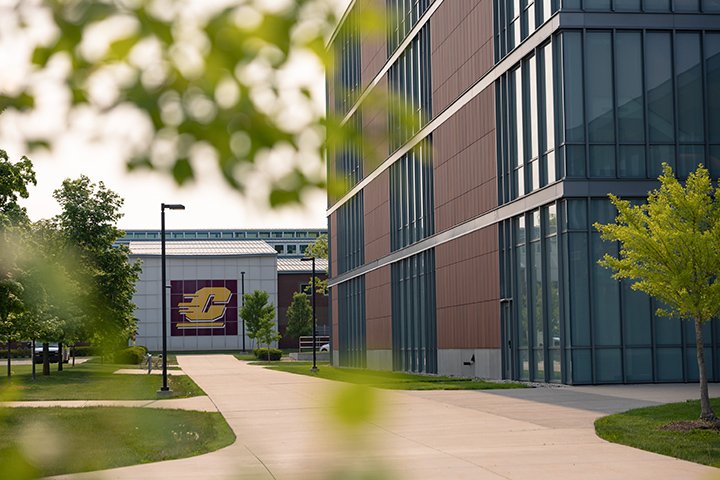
<point>553,292</point>
<point>629,90</point>
<point>692,367</point>
<point>581,366</point>
<point>631,163</point>
<point>657,5</point>
<point>577,214</point>
<point>602,161</point>
<point>539,360</point>
<point>667,331</point>
<point>599,87</point>
<point>669,364</point>
<point>714,161</point>
<point>519,130</point>
<point>549,100</point>
<point>520,231</point>
<point>579,295</point>
<point>550,214</point>
<point>711,5</point>
<point>660,154</point>
<point>597,4</point>
<point>524,364</point>
<point>571,4</point>
<point>688,72</point>
<point>689,157</point>
<point>605,296</point>
<point>522,303</point>
<point>638,364</point>
<point>686,5</point>
<point>602,211</point>
<point>658,79</point>
<point>627,5</point>
<point>689,327</point>
<point>532,110</point>
<point>608,365</point>
<point>537,299</point>
<point>572,63</point>
<point>575,161</point>
<point>555,366</point>
<point>636,316</point>
<point>712,67</point>
<point>535,225</point>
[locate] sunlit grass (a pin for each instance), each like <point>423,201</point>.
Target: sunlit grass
<point>50,441</point>
<point>90,381</point>
<point>388,380</point>
<point>640,428</point>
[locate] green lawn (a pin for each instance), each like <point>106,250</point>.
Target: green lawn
<point>90,381</point>
<point>388,380</point>
<point>640,428</point>
<point>38,442</point>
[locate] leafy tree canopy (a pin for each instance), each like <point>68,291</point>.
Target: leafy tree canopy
<point>299,315</point>
<point>670,247</point>
<point>256,312</point>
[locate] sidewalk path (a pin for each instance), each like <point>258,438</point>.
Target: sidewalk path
<point>284,432</point>
<point>201,403</point>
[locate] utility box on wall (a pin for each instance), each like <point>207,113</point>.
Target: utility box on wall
<point>204,286</point>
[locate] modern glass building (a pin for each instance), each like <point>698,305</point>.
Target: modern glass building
<point>464,241</point>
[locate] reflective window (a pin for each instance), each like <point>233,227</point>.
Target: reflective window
<point>629,90</point>
<point>659,87</point>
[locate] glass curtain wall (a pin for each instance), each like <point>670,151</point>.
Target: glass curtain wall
<point>351,325</point>
<point>530,284</point>
<point>515,20</point>
<point>635,99</point>
<point>650,6</point>
<point>414,330</point>
<point>404,15</point>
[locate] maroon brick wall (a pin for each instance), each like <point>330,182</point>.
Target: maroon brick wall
<point>377,217</point>
<point>378,309</point>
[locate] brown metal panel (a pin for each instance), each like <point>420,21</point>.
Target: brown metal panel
<point>378,309</point>
<point>335,316</point>
<point>468,292</point>
<point>373,45</point>
<point>462,48</point>
<point>289,284</point>
<point>465,163</point>
<point>374,130</point>
<point>332,241</point>
<point>376,197</point>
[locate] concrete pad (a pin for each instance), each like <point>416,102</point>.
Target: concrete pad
<point>200,404</point>
<point>286,430</point>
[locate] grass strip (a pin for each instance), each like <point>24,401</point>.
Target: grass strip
<point>388,380</point>
<point>90,381</point>
<point>38,442</point>
<point>642,428</point>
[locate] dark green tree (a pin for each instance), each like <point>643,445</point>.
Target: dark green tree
<point>88,227</point>
<point>299,315</point>
<point>318,249</point>
<point>256,312</point>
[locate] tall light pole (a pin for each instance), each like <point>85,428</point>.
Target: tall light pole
<point>314,368</point>
<point>164,390</point>
<point>242,292</point>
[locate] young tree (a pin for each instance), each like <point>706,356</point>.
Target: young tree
<point>256,312</point>
<point>670,246</point>
<point>299,315</point>
<point>266,334</point>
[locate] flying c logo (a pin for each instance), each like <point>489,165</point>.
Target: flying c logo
<point>204,308</point>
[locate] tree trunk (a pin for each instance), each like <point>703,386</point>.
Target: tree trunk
<point>60,356</point>
<point>72,351</point>
<point>706,411</point>
<point>32,357</point>
<point>8,359</point>
<point>46,358</point>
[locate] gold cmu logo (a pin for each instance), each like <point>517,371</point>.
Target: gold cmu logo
<point>205,307</point>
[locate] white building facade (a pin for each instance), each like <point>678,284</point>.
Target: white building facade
<point>204,286</point>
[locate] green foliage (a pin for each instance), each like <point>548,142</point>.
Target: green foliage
<point>86,351</point>
<point>670,247</point>
<point>318,249</point>
<point>130,355</point>
<point>87,226</point>
<point>256,312</point>
<point>646,428</point>
<point>211,85</point>
<point>14,180</point>
<point>268,354</point>
<point>299,315</point>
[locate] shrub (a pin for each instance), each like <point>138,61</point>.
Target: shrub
<point>262,354</point>
<point>86,351</point>
<point>130,355</point>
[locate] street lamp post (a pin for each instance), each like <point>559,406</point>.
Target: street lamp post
<point>164,390</point>
<point>314,368</point>
<point>242,292</point>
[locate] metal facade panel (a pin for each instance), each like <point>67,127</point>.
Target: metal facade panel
<point>467,291</point>
<point>297,265</point>
<point>465,163</point>
<point>373,49</point>
<point>462,48</point>
<point>378,309</point>
<point>203,248</point>
<point>377,218</point>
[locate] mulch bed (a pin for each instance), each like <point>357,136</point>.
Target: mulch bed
<point>689,425</point>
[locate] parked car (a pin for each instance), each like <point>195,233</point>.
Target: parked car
<point>325,348</point>
<point>53,354</point>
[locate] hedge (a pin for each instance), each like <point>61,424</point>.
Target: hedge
<point>262,354</point>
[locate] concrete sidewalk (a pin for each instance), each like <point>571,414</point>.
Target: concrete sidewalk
<point>285,432</point>
<point>201,403</point>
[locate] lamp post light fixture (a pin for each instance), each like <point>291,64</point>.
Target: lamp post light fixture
<point>314,368</point>
<point>242,299</point>
<point>165,390</point>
